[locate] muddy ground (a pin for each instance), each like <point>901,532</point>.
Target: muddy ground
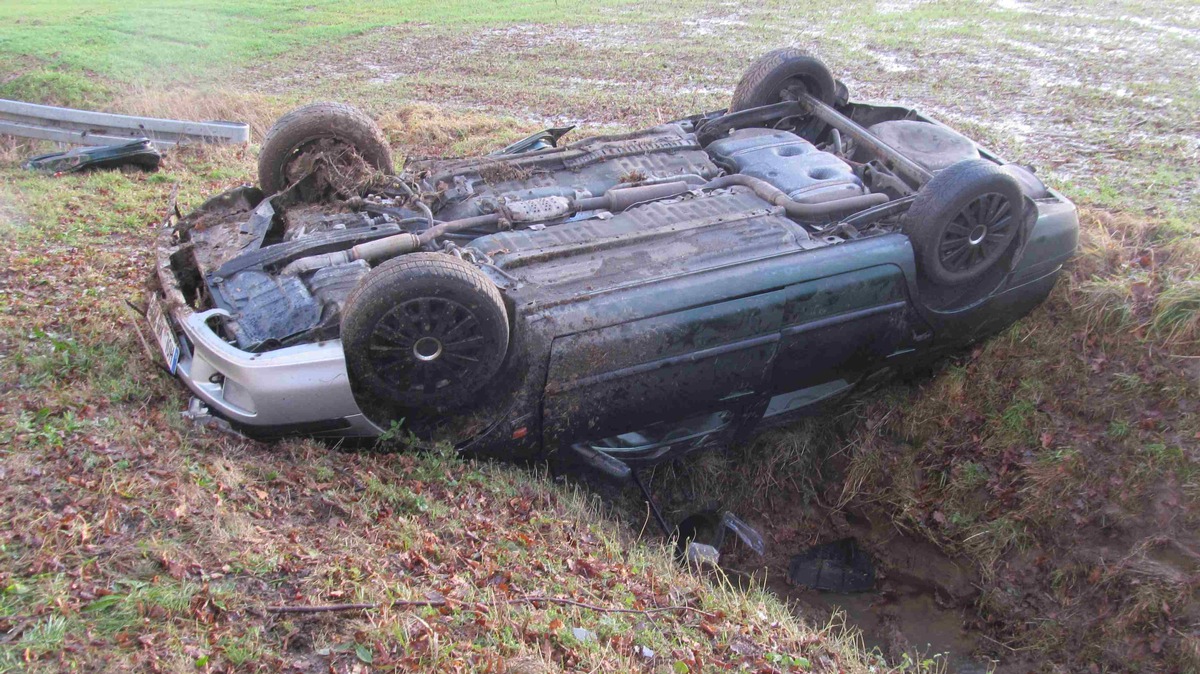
<point>1099,96</point>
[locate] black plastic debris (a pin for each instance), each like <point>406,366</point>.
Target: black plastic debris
<point>139,153</point>
<point>839,566</point>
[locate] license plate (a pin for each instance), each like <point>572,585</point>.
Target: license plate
<point>161,327</point>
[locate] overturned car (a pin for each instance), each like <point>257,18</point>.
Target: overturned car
<point>621,300</point>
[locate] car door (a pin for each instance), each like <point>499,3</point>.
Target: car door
<point>698,369</point>
<point>835,330</point>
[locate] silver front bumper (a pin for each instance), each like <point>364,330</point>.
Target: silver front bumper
<point>297,389</point>
<point>301,389</point>
<point>293,390</point>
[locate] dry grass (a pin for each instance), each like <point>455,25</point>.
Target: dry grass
<point>1057,456</point>
<point>428,131</point>
<point>1142,276</point>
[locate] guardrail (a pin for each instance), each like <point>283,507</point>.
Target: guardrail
<point>83,127</point>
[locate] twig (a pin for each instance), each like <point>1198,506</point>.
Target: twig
<point>150,353</point>
<point>1001,643</point>
<point>172,206</point>
<point>16,631</point>
<point>606,609</point>
<point>330,608</point>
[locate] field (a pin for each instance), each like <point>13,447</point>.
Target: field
<point>1055,468</point>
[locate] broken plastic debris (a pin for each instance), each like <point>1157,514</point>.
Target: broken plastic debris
<point>701,554</point>
<point>710,529</point>
<point>839,566</point>
<point>199,414</point>
<point>134,153</point>
<point>747,533</point>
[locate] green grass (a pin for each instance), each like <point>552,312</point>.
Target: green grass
<point>157,43</point>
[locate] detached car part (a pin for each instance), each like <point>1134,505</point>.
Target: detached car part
<point>840,566</point>
<point>139,153</point>
<point>612,302</point>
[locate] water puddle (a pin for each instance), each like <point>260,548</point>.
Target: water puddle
<point>919,608</point>
<point>898,620</point>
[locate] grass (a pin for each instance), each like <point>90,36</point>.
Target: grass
<point>1043,461</point>
<point>1080,424</point>
<point>157,43</point>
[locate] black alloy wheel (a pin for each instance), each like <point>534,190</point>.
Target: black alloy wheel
<point>963,221</point>
<point>429,343</point>
<point>423,331</point>
<point>977,233</point>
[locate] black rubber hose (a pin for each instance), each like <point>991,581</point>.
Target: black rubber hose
<point>414,198</point>
<point>795,209</point>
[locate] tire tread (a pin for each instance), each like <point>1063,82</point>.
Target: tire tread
<point>941,199</point>
<point>752,89</point>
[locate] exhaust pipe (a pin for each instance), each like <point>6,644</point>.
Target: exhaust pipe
<point>615,200</point>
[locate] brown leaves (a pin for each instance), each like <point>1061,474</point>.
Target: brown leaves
<point>1047,439</point>
<point>582,567</point>
<point>203,608</point>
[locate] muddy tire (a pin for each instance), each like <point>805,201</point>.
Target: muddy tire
<point>317,125</point>
<point>424,330</point>
<point>963,221</point>
<point>779,70</point>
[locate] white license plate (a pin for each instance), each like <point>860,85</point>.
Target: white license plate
<point>161,327</point>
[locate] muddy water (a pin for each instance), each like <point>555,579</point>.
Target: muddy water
<point>898,619</point>
<point>922,605</point>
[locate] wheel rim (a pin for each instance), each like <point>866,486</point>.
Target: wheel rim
<point>427,344</point>
<point>978,234</point>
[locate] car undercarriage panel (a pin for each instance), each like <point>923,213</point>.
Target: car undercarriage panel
<point>587,167</point>
<point>788,162</point>
<point>652,241</point>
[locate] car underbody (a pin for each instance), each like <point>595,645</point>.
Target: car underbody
<point>630,298</point>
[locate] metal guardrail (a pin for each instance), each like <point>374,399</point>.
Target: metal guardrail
<point>82,127</point>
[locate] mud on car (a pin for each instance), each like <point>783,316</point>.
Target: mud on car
<point>621,299</point>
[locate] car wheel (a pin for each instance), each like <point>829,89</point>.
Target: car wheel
<point>424,330</point>
<point>341,133</point>
<point>778,71</point>
<point>963,220</point>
